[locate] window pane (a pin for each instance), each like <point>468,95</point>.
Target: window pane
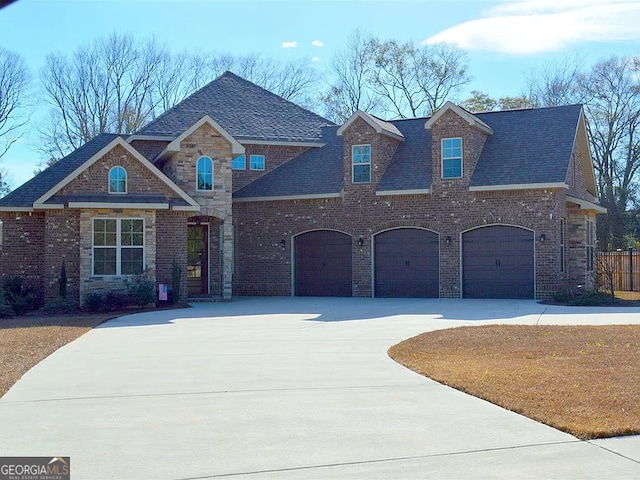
<point>361,173</point>
<point>205,174</point>
<point>131,261</point>
<point>239,163</point>
<point>256,162</point>
<point>361,154</point>
<point>104,261</point>
<point>117,180</point>
<point>452,168</point>
<point>104,232</point>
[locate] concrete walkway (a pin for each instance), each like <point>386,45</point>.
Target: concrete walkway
<point>290,388</point>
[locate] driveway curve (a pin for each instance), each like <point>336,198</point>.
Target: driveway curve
<point>290,388</point>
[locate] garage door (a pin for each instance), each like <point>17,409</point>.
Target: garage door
<point>323,264</point>
<point>498,262</point>
<point>406,263</point>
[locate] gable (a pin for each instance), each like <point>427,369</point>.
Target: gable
<point>127,151</point>
<point>95,179</point>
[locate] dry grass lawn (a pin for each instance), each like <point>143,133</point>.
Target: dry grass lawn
<point>584,380</point>
<point>25,341</point>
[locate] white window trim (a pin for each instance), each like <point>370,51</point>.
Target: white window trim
<point>264,163</point>
<point>126,180</point>
<point>353,164</point>
<point>442,157</point>
<point>244,165</point>
<point>198,189</point>
<point>118,246</point>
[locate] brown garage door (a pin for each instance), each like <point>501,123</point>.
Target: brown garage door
<point>406,263</point>
<point>498,262</point>
<point>323,264</point>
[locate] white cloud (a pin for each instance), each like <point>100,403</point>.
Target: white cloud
<point>289,44</point>
<point>315,59</point>
<point>317,43</point>
<point>533,26</point>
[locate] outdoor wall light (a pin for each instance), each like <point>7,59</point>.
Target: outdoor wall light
<point>447,240</point>
<point>283,243</point>
<point>543,237</point>
<point>360,241</point>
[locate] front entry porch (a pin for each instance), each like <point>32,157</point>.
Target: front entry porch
<point>205,258</point>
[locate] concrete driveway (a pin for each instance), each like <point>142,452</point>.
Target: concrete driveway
<point>289,388</point>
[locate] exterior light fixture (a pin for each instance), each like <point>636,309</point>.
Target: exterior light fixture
<point>283,243</point>
<point>543,237</point>
<point>360,241</point>
<point>447,240</point>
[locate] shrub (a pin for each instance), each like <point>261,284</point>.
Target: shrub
<point>141,289</point>
<point>60,305</point>
<point>5,309</point>
<point>117,300</point>
<point>18,296</point>
<point>94,301</point>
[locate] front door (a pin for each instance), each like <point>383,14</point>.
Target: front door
<point>198,259</point>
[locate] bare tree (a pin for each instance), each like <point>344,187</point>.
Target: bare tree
<point>612,102</point>
<point>416,80</point>
<point>14,81</point>
<point>349,90</point>
<point>555,84</point>
<point>610,92</point>
<point>105,86</point>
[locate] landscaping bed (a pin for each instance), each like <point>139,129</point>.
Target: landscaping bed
<point>584,380</point>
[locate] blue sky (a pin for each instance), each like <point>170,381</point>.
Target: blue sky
<point>504,38</point>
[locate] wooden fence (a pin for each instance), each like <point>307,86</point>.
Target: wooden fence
<point>625,267</point>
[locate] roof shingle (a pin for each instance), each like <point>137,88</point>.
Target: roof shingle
<point>245,110</point>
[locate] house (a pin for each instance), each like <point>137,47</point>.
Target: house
<point>250,194</point>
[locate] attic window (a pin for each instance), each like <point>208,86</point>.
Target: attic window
<point>239,163</point>
<point>256,162</point>
<point>361,163</point>
<point>204,173</point>
<point>451,157</point>
<point>117,180</point>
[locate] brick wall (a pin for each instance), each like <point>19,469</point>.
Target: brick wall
<point>275,155</point>
<point>263,267</point>
<point>149,148</point>
<point>171,236</point>
<point>140,179</point>
<point>62,242</point>
<point>23,248</point>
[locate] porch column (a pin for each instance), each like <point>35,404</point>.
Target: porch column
<point>227,259</point>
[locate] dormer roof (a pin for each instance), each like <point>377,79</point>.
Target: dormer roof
<point>380,126</point>
<point>471,119</point>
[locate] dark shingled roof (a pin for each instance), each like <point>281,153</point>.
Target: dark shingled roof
<point>410,167</point>
<point>315,172</point>
<point>245,110</point>
<point>26,194</point>
<point>527,146</point>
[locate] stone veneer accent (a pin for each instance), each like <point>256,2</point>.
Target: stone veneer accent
<point>181,167</point>
<point>89,282</point>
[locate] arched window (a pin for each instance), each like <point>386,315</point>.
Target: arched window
<point>204,169</point>
<point>117,180</point>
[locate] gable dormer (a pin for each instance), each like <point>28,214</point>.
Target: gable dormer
<point>457,139</point>
<point>369,144</point>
